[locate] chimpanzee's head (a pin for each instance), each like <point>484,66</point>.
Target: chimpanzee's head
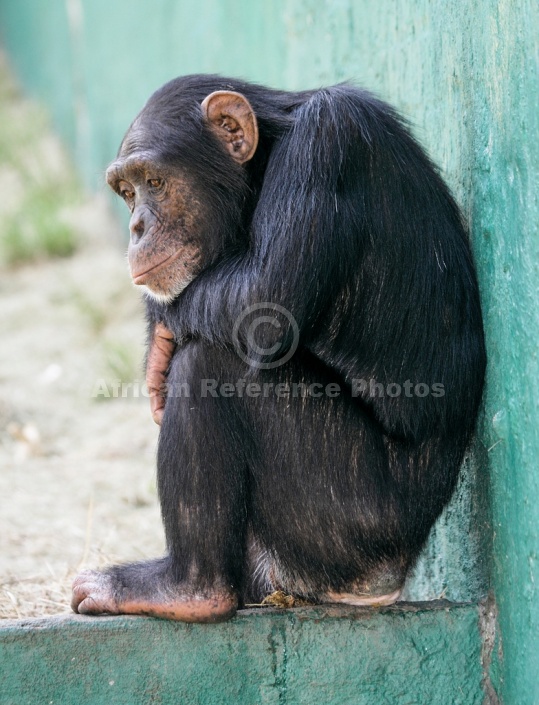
<point>180,171</point>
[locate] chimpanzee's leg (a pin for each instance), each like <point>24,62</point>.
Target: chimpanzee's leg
<point>202,476</point>
<point>339,511</point>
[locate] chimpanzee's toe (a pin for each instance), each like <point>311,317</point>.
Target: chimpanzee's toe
<point>93,594</point>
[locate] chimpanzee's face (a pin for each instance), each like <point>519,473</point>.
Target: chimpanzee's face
<point>166,250</point>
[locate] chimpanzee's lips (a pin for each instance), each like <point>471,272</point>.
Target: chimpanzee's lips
<point>141,277</point>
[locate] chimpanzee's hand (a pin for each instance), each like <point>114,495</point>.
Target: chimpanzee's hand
<point>162,348</point>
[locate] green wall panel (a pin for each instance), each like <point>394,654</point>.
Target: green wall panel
<point>424,656</point>
<point>466,75</point>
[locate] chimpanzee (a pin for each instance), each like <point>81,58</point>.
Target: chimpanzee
<point>316,353</point>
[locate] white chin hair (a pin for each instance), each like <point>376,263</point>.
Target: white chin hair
<point>169,297</point>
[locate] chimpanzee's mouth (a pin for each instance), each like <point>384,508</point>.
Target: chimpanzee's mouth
<point>140,277</point>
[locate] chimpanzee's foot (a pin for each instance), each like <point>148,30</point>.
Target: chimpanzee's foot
<point>145,589</point>
<point>348,598</point>
<point>382,586</point>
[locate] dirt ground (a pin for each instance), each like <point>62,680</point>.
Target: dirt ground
<point>77,471</point>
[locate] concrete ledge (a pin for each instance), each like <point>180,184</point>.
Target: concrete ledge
<point>424,654</point>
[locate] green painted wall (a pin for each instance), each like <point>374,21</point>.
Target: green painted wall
<point>300,657</point>
<point>466,74</point>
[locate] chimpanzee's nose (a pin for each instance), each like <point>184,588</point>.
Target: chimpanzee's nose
<point>136,226</point>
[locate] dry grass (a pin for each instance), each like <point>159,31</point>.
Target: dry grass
<point>76,476</point>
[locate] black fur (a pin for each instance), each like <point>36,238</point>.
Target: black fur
<point>340,218</point>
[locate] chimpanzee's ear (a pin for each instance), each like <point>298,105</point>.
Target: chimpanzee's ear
<point>233,121</point>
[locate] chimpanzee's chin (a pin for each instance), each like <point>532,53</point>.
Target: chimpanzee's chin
<point>165,296</point>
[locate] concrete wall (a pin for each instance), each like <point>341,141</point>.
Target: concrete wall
<point>334,656</point>
<point>466,74</point>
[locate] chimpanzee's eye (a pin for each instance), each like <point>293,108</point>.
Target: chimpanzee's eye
<point>155,183</point>
<point>126,190</point>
